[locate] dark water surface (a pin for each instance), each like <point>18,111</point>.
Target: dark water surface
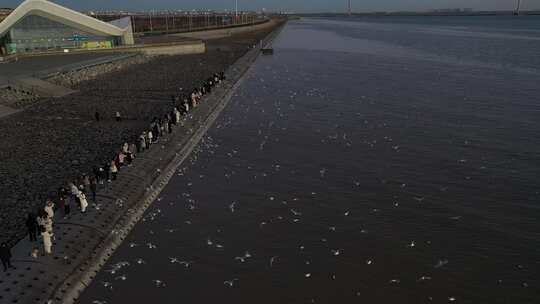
<point>367,161</point>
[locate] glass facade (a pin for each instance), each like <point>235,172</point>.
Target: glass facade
<point>36,33</point>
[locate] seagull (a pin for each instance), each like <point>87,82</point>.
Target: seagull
<point>174,260</point>
<point>332,228</point>
<point>335,252</point>
<point>296,213</point>
<point>262,224</point>
<point>307,275</point>
<point>395,281</point>
<point>122,277</point>
<point>219,246</point>
<point>151,246</point>
<point>241,259</point>
<point>272,260</point>
<point>209,242</point>
<point>424,278</point>
<point>131,245</point>
<point>141,261</point>
<point>106,285</point>
<point>159,283</point>
<point>412,244</point>
<point>346,213</point>
<point>230,283</point>
<point>451,299</point>
<point>369,262</point>
<point>441,263</point>
<point>396,204</point>
<point>231,206</point>
<point>185,263</point>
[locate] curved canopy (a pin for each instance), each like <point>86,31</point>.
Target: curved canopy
<point>60,14</point>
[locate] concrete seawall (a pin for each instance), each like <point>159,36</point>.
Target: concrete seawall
<point>226,32</point>
<point>85,242</point>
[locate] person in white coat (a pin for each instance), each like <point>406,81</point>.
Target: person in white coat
<point>49,209</point>
<point>47,241</point>
<point>48,224</point>
<point>84,202</point>
<point>150,139</point>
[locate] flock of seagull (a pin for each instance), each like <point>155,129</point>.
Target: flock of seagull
<point>210,146</point>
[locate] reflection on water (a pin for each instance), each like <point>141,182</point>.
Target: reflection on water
<point>355,165</point>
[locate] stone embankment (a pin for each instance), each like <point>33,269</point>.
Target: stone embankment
<point>72,78</point>
<point>16,98</point>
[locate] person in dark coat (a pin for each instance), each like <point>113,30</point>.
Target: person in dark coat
<point>32,225</point>
<point>93,188</point>
<point>5,256</point>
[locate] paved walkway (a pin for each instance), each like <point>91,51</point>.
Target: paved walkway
<point>85,241</point>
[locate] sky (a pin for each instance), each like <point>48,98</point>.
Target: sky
<point>290,5</point>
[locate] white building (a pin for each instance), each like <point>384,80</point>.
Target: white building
<point>40,25</point>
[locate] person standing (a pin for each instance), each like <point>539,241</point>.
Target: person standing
<point>118,116</point>
<point>47,241</point>
<point>67,206</point>
<point>93,188</point>
<point>5,256</point>
<point>32,226</point>
<point>49,208</point>
<point>150,139</point>
<point>84,202</point>
<point>86,183</point>
<point>113,169</point>
<point>121,159</point>
<point>101,175</point>
<point>48,224</point>
<point>41,222</point>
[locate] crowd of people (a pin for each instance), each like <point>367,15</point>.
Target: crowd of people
<point>74,194</point>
